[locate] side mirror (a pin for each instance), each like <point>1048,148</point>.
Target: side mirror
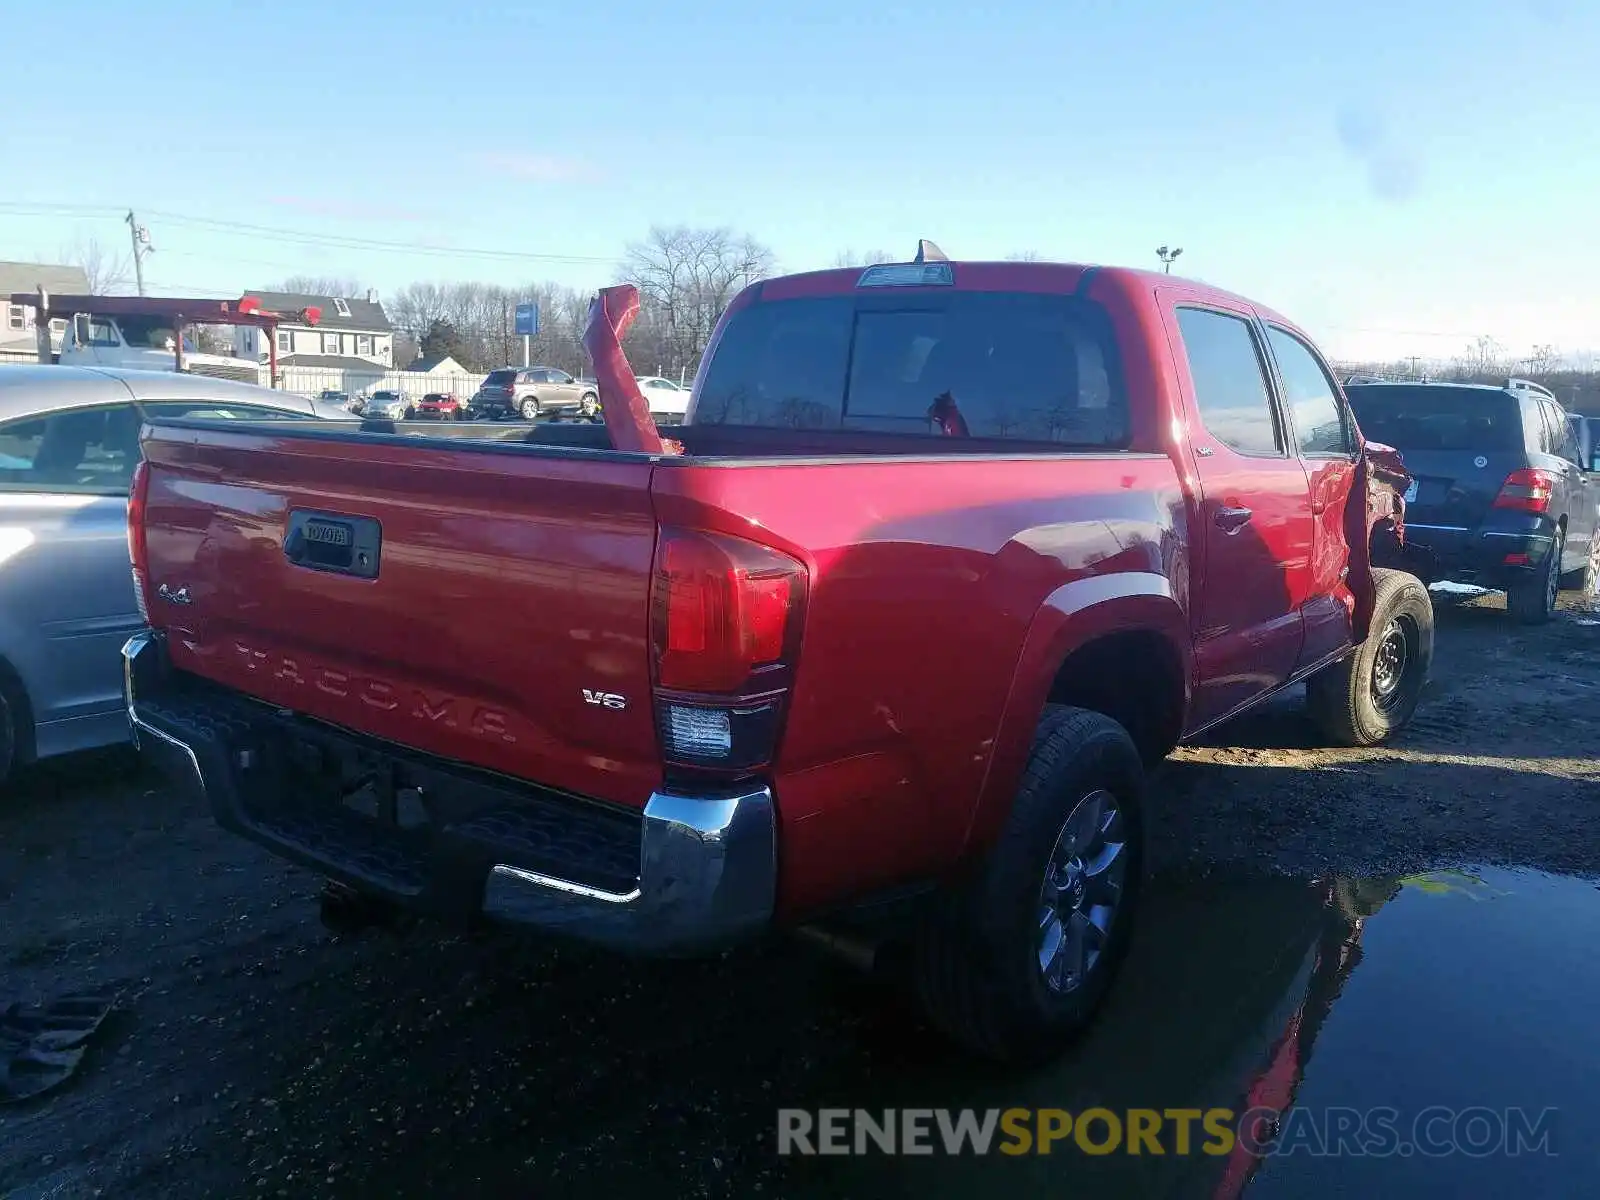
<point>80,328</point>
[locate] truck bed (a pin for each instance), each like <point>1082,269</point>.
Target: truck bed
<point>508,627</point>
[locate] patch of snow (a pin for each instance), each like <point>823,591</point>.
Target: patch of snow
<point>1459,589</point>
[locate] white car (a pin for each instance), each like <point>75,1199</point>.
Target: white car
<point>665,398</point>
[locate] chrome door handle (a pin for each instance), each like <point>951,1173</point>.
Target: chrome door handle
<point>1233,519</point>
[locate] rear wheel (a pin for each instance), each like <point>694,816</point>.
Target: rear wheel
<point>589,404</point>
<point>1013,962</point>
<point>530,409</point>
<point>1370,694</point>
<point>1532,600</point>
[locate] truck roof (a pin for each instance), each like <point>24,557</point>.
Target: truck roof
<point>988,275</point>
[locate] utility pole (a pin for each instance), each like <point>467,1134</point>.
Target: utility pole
<point>1166,256</point>
<point>141,247</point>
<point>1414,366</point>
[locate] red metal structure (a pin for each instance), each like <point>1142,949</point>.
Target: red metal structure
<point>180,311</point>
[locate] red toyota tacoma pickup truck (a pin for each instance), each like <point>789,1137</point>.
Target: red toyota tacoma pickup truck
<point>944,558</point>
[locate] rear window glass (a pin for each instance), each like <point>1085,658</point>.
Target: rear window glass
<point>500,378</point>
<point>1437,417</point>
<point>1023,367</point>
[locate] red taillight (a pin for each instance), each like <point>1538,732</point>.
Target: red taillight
<point>138,548</point>
<point>723,609</point>
<point>725,626</point>
<point>1527,490</point>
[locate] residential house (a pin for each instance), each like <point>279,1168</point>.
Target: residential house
<point>353,335</point>
<point>18,339</point>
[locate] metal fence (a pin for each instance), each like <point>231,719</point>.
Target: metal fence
<point>311,381</point>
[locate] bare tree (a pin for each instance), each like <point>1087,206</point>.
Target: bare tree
<point>106,271</point>
<point>483,316</point>
<point>1483,360</point>
<point>1543,360</point>
<point>319,285</point>
<point>1025,256</point>
<point>686,278</point>
<point>872,258</point>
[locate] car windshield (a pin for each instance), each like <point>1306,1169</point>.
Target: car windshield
<point>1432,416</point>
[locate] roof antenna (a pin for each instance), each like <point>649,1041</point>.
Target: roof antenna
<point>928,252</point>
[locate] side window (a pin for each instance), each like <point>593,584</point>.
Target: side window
<point>86,450</point>
<point>103,333</point>
<point>198,410</point>
<point>1562,441</point>
<point>1229,385</point>
<point>560,377</point>
<point>1320,425</point>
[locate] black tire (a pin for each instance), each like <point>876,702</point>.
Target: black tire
<point>1365,697</point>
<point>14,737</point>
<point>1531,601</point>
<point>976,958</point>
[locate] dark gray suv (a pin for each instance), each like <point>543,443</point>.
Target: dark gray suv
<point>1502,495</point>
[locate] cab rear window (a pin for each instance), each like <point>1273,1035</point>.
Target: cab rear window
<point>1015,367</point>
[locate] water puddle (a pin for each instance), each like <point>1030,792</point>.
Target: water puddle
<point>1433,1035</point>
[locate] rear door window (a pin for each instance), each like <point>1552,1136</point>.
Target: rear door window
<point>1320,426</point>
<point>1012,366</point>
<point>1435,416</point>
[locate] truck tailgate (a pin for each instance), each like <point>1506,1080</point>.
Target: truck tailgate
<point>505,619</point>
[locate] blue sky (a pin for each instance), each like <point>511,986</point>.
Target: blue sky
<point>1398,178</point>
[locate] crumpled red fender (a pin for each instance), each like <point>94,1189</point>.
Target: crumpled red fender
<point>622,404</point>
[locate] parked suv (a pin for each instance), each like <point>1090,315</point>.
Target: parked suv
<point>531,392</point>
<point>1501,495</point>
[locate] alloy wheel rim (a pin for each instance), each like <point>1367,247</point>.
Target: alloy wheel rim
<point>1081,892</point>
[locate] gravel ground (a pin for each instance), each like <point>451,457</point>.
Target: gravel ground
<point>254,1054</point>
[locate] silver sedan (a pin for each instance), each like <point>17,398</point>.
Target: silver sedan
<point>69,440</point>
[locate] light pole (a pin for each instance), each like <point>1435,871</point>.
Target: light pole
<point>1166,256</point>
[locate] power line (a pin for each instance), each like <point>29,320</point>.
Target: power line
<point>303,237</point>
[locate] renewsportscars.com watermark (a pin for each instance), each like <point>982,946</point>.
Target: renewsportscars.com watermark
<point>1261,1132</point>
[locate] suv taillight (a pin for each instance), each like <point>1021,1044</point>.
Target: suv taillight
<point>725,626</point>
<point>1527,490</point>
<point>138,548</point>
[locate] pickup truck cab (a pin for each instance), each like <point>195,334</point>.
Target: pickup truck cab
<point>143,343</point>
<point>944,558</point>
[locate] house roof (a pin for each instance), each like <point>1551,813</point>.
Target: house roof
<point>52,277</point>
<point>433,364</point>
<point>365,315</point>
<point>340,361</point>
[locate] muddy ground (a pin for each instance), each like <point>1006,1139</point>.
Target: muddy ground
<point>254,1054</point>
